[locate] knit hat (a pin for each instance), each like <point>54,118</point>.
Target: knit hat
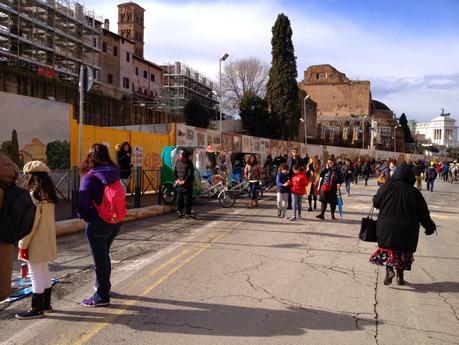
<point>36,167</point>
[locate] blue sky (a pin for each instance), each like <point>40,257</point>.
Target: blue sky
<point>409,50</point>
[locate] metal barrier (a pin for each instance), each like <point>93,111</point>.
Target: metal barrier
<point>140,183</point>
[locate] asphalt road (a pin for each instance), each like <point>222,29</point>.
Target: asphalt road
<point>244,276</point>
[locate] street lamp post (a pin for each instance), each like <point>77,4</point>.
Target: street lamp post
<point>395,137</point>
<point>223,58</point>
<point>363,132</point>
<point>304,122</point>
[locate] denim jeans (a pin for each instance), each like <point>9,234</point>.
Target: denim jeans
<point>430,185</point>
<point>253,190</point>
<point>296,205</point>
<point>100,237</point>
<point>347,181</point>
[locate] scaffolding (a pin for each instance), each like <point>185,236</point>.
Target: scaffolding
<point>182,84</point>
<point>58,35</point>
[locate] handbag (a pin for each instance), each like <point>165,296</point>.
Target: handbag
<point>368,228</point>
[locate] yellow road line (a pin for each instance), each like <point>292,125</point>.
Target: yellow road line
<point>108,320</point>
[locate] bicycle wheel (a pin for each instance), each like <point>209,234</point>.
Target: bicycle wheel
<point>168,194</point>
<point>226,199</point>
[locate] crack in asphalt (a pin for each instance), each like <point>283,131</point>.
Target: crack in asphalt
<point>375,308</point>
<point>180,325</point>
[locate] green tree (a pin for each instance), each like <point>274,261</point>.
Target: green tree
<point>255,115</point>
<point>7,148</point>
<point>282,92</point>
<point>196,115</point>
<point>58,155</point>
<point>406,130</point>
<point>15,148</point>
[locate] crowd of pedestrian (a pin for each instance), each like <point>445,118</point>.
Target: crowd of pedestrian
<point>102,205</point>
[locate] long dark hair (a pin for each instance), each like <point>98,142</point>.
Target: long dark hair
<point>98,155</point>
<point>122,148</point>
<point>41,186</point>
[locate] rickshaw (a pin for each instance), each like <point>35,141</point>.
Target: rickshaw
<point>201,188</point>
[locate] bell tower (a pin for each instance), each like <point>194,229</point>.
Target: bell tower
<point>131,25</point>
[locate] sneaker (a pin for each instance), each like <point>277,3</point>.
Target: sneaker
<point>320,216</point>
<point>91,303</point>
<point>30,314</point>
<point>190,216</point>
<point>293,219</point>
<point>180,214</point>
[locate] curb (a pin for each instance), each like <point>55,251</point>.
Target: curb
<point>71,226</point>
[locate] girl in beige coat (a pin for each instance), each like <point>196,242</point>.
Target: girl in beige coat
<point>39,247</point>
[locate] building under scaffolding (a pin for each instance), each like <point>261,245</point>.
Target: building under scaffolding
<point>54,36</point>
<point>181,84</point>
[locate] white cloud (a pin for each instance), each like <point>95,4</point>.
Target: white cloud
<point>198,32</point>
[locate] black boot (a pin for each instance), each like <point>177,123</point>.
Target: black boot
<point>36,311</point>
<point>390,274</point>
<point>315,203</point>
<point>400,277</point>
<point>47,300</point>
<point>310,203</point>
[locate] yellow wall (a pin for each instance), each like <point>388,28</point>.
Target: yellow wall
<point>152,143</point>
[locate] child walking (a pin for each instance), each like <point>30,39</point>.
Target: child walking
<point>39,247</point>
<point>298,185</point>
<point>282,182</point>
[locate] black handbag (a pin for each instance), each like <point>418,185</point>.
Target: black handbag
<point>368,228</point>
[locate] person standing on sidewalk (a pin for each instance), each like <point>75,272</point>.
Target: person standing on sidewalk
<point>39,247</point>
<point>282,182</point>
<point>298,184</point>
<point>331,180</point>
<point>292,161</point>
<point>366,171</point>
<point>123,159</point>
<point>401,209</point>
<point>8,175</point>
<point>418,171</point>
<point>98,171</point>
<point>252,173</point>
<point>184,180</point>
<point>431,175</point>
<point>348,173</point>
<point>312,189</point>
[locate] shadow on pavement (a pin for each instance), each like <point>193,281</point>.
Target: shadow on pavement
<point>216,319</point>
<point>438,287</point>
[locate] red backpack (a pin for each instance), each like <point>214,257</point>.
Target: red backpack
<point>112,209</point>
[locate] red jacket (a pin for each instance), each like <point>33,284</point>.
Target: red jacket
<point>298,184</point>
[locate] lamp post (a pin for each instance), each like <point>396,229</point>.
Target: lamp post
<point>304,122</point>
<point>223,58</point>
<point>363,132</point>
<point>395,137</point>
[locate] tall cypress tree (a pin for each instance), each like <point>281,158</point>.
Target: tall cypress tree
<point>15,148</point>
<point>282,92</point>
<point>406,129</point>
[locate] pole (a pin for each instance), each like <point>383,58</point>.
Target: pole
<point>363,134</point>
<point>395,139</point>
<point>304,114</point>
<point>80,117</point>
<point>220,94</point>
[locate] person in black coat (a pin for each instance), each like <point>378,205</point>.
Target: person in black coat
<point>184,180</point>
<point>330,183</point>
<point>401,209</point>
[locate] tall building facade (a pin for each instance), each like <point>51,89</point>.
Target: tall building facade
<point>346,112</point>
<point>441,130</point>
<point>181,84</point>
<point>131,25</point>
<point>52,37</point>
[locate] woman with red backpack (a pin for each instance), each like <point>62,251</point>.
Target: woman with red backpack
<point>102,204</point>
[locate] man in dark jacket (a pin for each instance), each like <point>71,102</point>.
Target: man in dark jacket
<point>431,175</point>
<point>184,179</point>
<point>8,175</point>
<point>401,209</point>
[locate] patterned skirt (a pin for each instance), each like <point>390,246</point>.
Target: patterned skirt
<point>397,259</point>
